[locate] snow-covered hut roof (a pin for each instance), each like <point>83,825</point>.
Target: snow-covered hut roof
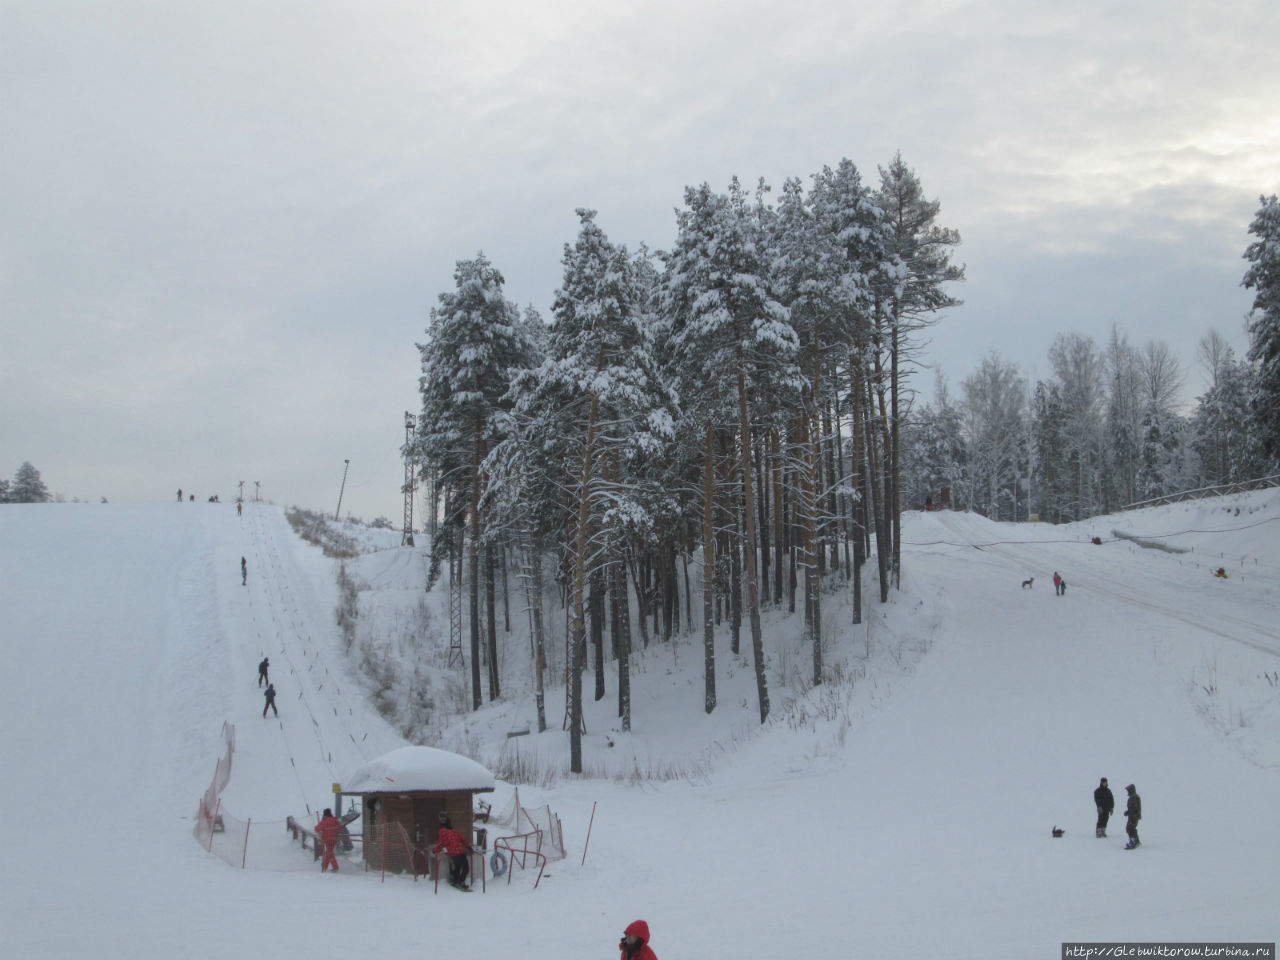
<point>419,768</point>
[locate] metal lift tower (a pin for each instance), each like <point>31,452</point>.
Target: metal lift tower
<point>406,536</point>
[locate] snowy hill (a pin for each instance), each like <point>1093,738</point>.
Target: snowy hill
<point>903,810</point>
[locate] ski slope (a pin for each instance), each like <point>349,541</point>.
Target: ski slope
<point>904,814</point>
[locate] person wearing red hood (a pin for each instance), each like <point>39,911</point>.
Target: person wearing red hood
<point>451,842</point>
<point>329,829</point>
<point>634,944</point>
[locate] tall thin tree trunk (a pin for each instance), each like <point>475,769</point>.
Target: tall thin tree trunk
<point>749,509</point>
<point>709,569</point>
<point>596,605</point>
<point>895,436</point>
<point>579,640</point>
<point>476,457</point>
<point>539,641</point>
<point>639,578</point>
<point>857,478</point>
<point>490,601</point>
<point>776,467</point>
<point>621,635</point>
<point>875,476</point>
<point>805,436</point>
<point>762,484</point>
<point>813,578</point>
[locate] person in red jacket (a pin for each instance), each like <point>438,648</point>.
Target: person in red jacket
<point>634,944</point>
<point>450,841</point>
<point>329,829</point>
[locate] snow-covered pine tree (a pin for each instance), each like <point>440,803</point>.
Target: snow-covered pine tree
<point>911,303</point>
<point>870,275</point>
<point>806,277</point>
<point>475,341</point>
<point>729,334</point>
<point>600,406</point>
<point>27,487</point>
<point>1263,277</point>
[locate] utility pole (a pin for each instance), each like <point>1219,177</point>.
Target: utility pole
<point>240,495</point>
<point>406,536</point>
<point>257,493</point>
<point>342,489</point>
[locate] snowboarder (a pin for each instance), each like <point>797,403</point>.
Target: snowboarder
<point>1105,801</point>
<point>244,572</point>
<point>1132,813</point>
<point>1057,584</point>
<point>328,830</point>
<point>634,944</point>
<point>263,667</point>
<point>451,842</point>
<point>270,694</point>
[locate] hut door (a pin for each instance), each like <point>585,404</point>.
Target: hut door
<point>425,816</point>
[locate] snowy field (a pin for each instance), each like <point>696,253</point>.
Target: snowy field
<point>903,810</point>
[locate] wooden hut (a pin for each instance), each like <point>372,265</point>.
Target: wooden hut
<point>403,794</point>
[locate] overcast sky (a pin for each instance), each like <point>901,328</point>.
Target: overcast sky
<point>223,224</point>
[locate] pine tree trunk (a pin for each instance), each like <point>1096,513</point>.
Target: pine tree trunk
<point>597,606</point>
<point>495,689</point>
<point>709,569</point>
<point>578,643</point>
<point>749,509</point>
<point>895,472</point>
<point>775,461</point>
<point>876,507</point>
<point>638,577</point>
<point>539,640</point>
<point>809,508</point>
<point>474,572</point>
<point>762,485</point>
<point>622,636</point>
<point>857,478</point>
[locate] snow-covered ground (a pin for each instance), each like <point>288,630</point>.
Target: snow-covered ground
<point>902,811</point>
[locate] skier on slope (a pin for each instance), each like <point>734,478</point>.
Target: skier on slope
<point>270,694</point>
<point>263,667</point>
<point>634,944</point>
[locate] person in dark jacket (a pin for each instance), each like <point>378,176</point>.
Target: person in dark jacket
<point>451,842</point>
<point>329,829</point>
<point>270,694</point>
<point>634,944</point>
<point>263,668</point>
<point>244,572</point>
<point>1105,801</point>
<point>1132,814</point>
